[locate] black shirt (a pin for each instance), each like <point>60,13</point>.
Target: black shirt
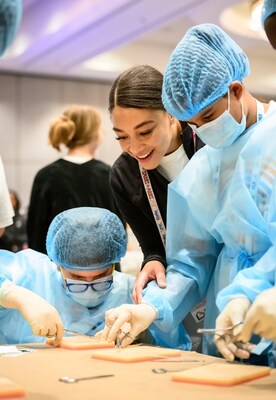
<point>63,185</point>
<point>132,201</point>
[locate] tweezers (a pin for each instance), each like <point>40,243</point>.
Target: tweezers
<point>222,331</point>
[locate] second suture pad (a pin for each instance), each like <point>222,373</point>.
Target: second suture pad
<point>10,389</point>
<point>219,374</point>
<point>134,353</point>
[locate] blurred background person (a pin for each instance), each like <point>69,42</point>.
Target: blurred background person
<point>10,13</point>
<point>10,17</point>
<point>15,235</point>
<point>6,210</point>
<point>75,180</point>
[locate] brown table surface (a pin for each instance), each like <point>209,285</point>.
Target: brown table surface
<point>39,372</point>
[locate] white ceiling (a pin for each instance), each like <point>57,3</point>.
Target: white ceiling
<point>97,39</point>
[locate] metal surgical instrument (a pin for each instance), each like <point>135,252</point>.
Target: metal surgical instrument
<point>68,379</point>
<point>221,331</point>
<point>80,334</point>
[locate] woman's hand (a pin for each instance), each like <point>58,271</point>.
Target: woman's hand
<point>153,270</point>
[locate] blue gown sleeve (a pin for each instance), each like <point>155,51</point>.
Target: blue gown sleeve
<point>191,246</point>
<point>250,282</point>
<point>3,277</point>
<point>6,260</point>
<point>251,208</point>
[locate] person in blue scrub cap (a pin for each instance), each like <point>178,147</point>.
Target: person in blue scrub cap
<point>73,286</point>
<point>10,18</point>
<point>251,298</point>
<point>39,297</point>
<point>217,220</point>
<point>269,20</point>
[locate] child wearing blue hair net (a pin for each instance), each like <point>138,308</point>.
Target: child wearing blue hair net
<point>220,206</point>
<point>73,286</point>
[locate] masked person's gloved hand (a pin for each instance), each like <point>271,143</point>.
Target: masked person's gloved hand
<point>230,345</point>
<point>261,317</point>
<point>42,316</point>
<point>126,322</point>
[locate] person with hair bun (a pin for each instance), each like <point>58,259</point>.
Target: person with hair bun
<point>75,180</point>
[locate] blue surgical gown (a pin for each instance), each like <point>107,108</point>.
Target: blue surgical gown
<point>255,180</point>
<point>252,281</point>
<point>205,245</point>
<point>35,271</point>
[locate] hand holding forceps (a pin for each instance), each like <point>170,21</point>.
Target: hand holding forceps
<point>220,331</point>
<point>228,344</point>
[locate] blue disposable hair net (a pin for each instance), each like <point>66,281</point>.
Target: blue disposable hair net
<point>200,69</point>
<point>269,8</point>
<point>10,17</point>
<point>86,238</point>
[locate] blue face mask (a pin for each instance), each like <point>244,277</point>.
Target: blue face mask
<point>222,131</point>
<point>90,297</point>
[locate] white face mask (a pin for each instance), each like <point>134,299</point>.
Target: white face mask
<point>90,298</point>
<point>222,131</point>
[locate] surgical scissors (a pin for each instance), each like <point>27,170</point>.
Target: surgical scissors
<point>220,332</point>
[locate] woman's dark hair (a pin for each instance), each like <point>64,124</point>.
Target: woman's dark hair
<point>137,87</point>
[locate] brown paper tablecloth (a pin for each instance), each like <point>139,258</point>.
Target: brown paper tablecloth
<point>39,372</point>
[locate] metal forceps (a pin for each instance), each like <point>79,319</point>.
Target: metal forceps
<point>220,332</point>
<point>120,332</point>
<point>119,341</point>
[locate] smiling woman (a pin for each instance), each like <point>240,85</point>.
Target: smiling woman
<point>156,147</point>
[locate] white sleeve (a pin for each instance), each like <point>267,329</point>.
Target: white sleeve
<point>6,209</point>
